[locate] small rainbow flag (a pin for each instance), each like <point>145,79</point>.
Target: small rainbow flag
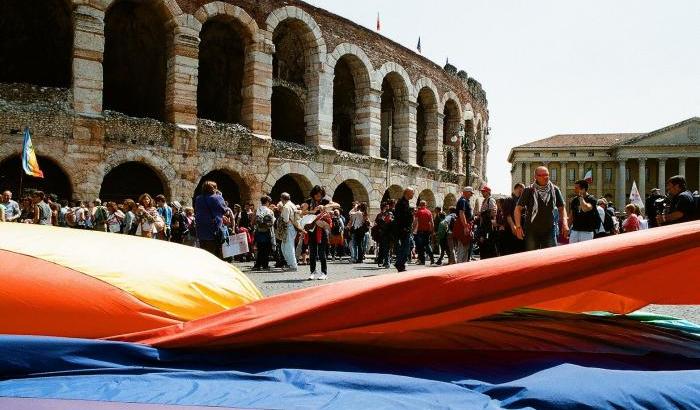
<point>29,161</point>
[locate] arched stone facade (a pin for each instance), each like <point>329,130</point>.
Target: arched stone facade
<point>182,147</point>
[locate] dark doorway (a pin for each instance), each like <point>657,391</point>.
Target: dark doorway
<point>228,186</point>
<point>343,106</point>
<point>344,196</point>
<point>36,40</point>
<point>135,59</point>
<point>289,184</point>
<point>388,117</point>
<point>55,180</point>
<point>287,116</point>
<point>221,61</point>
<point>129,181</point>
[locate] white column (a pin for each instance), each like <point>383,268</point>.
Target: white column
<point>599,179</point>
<point>620,191</point>
<point>642,177</point>
<point>563,177</point>
<point>581,170</point>
<point>528,174</point>
<point>662,174</point>
<point>681,166</point>
<point>514,174</point>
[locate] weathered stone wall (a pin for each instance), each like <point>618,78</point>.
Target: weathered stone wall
<point>70,127</point>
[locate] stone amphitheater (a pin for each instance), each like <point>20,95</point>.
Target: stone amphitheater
<point>124,97</point>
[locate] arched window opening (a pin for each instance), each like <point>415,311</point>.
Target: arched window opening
<point>221,66</point>
<point>135,59</point>
<point>129,181</point>
<point>36,40</point>
<point>55,180</point>
<point>287,115</point>
<point>229,187</point>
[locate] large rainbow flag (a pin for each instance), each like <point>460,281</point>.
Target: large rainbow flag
<point>96,319</point>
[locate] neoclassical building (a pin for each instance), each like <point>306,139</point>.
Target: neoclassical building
<point>126,96</point>
<point>616,160</point>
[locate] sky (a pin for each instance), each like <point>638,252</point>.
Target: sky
<point>555,66</point>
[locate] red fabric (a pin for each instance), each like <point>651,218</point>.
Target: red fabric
<point>424,218</point>
<point>620,274</point>
<point>631,224</point>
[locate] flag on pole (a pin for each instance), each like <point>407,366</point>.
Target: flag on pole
<point>589,176</point>
<point>635,197</point>
<point>379,26</point>
<point>29,161</point>
<point>418,46</point>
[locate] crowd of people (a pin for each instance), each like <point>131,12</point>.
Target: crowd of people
<point>287,235</point>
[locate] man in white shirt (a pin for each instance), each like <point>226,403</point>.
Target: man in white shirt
<point>287,214</point>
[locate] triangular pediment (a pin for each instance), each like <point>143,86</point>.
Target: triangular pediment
<point>684,133</point>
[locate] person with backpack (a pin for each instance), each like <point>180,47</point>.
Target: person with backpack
<point>99,216</point>
<point>337,239</point>
<point>607,226</point>
<point>264,221</point>
<point>444,235</point>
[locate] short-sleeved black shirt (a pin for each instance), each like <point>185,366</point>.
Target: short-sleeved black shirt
<point>584,221</point>
<point>464,205</point>
<point>684,203</point>
<point>545,219</point>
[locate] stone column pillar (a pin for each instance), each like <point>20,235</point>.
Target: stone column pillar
<point>372,107</point>
<point>662,174</point>
<point>681,166</point>
<point>88,53</point>
<point>318,113</point>
<point>256,112</point>
<point>581,170</point>
<point>515,173</point>
<point>563,177</point>
<point>528,172</point>
<point>642,177</point>
<point>620,191</point>
<point>408,150</point>
<point>183,69</point>
<point>599,179</point>
<point>440,143</point>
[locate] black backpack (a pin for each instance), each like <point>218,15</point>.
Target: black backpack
<point>335,230</point>
<point>608,223</point>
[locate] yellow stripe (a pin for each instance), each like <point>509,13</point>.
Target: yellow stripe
<point>186,282</point>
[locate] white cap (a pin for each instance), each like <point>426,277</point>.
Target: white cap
<point>468,189</point>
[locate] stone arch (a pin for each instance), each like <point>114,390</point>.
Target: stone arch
<point>428,142</point>
<point>428,196</point>
<point>393,192</point>
<point>219,9</point>
<point>247,181</point>
<point>348,191</point>
<point>450,130</point>
<point>352,83</point>
<point>170,8</point>
<point>233,188</point>
<point>450,200</point>
<point>298,65</point>
<point>56,179</point>
<point>296,185</point>
<point>296,168</point>
<point>226,35</point>
<point>36,42</point>
<point>354,175</point>
<point>313,34</point>
<point>390,67</point>
<point>450,95</point>
<point>137,38</point>
<point>131,179</point>
<point>159,165</point>
<point>396,97</point>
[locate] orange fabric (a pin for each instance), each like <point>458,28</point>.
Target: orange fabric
<point>41,298</point>
<point>620,273</point>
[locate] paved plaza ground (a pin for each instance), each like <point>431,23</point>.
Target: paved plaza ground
<point>278,281</point>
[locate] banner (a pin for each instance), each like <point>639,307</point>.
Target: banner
<point>30,165</point>
<point>635,197</point>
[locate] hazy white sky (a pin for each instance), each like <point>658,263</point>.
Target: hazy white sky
<point>555,66</point>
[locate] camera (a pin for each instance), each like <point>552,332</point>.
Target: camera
<point>661,206</point>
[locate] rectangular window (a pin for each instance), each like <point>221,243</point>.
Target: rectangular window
<point>608,175</point>
<point>572,174</point>
<point>537,154</point>
<point>572,154</point>
<point>591,153</point>
<point>555,171</point>
<point>555,154</point>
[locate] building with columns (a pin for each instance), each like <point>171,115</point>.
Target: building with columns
<point>615,160</point>
<point>131,96</point>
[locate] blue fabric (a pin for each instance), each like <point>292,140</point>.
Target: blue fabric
<point>209,214</point>
<point>336,376</point>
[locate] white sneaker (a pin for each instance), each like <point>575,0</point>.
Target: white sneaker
<point>322,276</point>
<point>312,276</point>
